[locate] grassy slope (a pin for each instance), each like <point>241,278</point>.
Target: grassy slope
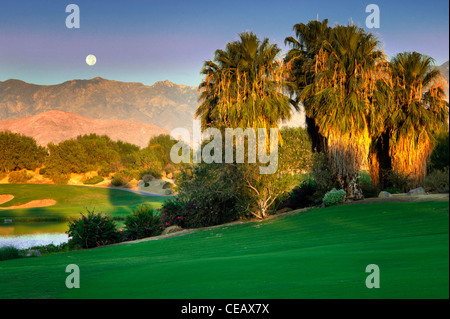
<point>70,201</point>
<point>321,253</point>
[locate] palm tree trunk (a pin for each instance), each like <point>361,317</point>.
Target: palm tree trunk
<point>318,141</point>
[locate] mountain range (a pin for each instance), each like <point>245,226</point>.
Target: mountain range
<point>57,126</point>
<point>164,104</point>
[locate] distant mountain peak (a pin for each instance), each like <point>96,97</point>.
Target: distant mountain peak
<point>166,83</point>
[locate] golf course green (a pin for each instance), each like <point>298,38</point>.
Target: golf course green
<point>318,253</point>
<point>70,201</point>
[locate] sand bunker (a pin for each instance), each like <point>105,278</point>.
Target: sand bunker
<point>33,204</point>
<point>5,198</point>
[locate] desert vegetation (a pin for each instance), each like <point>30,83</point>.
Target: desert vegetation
<point>94,154</point>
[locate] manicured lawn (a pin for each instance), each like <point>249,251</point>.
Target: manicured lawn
<point>70,201</point>
<point>321,253</point>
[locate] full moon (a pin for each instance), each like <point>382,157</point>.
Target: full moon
<point>91,59</point>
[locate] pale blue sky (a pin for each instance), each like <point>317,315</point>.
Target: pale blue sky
<point>149,41</point>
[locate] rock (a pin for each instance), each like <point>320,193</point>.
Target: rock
<point>171,229</point>
<point>33,253</point>
<point>384,194</point>
<point>147,178</point>
<point>417,191</point>
<point>168,192</point>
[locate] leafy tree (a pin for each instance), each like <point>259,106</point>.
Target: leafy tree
<point>19,152</point>
<point>161,146</point>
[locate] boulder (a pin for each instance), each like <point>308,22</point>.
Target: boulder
<point>417,191</point>
<point>171,229</point>
<point>168,192</point>
<point>384,194</point>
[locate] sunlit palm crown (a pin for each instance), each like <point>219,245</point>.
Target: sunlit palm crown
<point>243,86</point>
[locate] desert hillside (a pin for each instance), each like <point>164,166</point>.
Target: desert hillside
<point>57,126</point>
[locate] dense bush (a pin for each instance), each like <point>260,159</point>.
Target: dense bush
<point>9,252</point>
<point>18,177</point>
<point>93,230</point>
<point>213,194</point>
<point>94,180</point>
<point>303,195</point>
<point>104,172</point>
<point>172,213</point>
<point>59,178</point>
<point>322,175</point>
<point>393,190</point>
<point>398,180</point>
<point>334,197</point>
<point>368,189</point>
<point>143,222</point>
<point>439,158</point>
<point>437,181</point>
<point>121,178</point>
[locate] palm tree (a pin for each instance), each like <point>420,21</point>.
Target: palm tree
<point>344,102</point>
<point>419,111</point>
<point>243,86</point>
<point>301,60</point>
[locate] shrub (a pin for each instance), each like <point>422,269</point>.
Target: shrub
<point>143,222</point>
<point>147,178</point>
<point>50,248</point>
<point>9,252</point>
<point>94,180</point>
<point>59,178</point>
<point>302,195</point>
<point>18,177</point>
<point>334,197</point>
<point>213,194</point>
<point>104,172</point>
<point>167,185</point>
<point>93,230</point>
<point>439,158</point>
<point>368,189</point>
<point>393,190</point>
<point>149,174</point>
<point>121,178</point>
<point>322,174</point>
<point>398,180</point>
<point>172,213</point>
<point>437,181</point>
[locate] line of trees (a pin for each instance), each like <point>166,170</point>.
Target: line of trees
<point>83,154</point>
<point>362,108</point>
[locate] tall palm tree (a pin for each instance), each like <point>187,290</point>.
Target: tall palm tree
<point>344,102</point>
<point>301,61</point>
<point>243,86</point>
<point>419,112</point>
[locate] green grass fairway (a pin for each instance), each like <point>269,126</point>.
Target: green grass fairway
<point>70,201</point>
<point>321,253</point>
